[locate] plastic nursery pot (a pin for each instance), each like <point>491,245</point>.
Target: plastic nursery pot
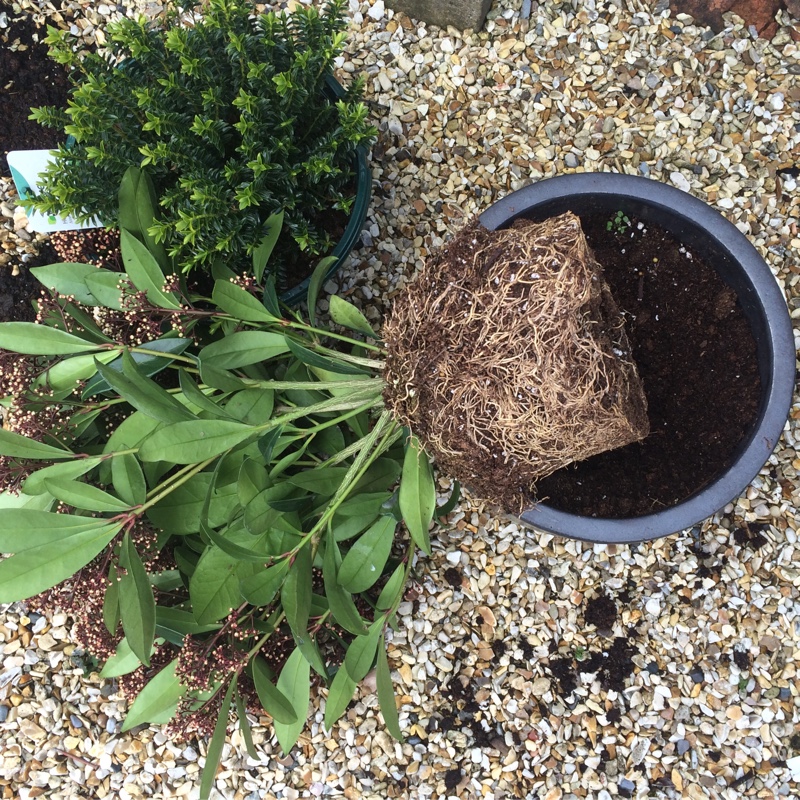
<point>297,294</point>
<point>712,238</point>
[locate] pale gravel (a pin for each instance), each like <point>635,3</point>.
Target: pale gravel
<point>720,116</point>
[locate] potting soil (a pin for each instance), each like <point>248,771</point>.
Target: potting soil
<point>697,359</point>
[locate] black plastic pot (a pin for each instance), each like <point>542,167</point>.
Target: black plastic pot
<point>722,246</point>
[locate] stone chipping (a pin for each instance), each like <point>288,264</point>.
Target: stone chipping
<point>504,689</point>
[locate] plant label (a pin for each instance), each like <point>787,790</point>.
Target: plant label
<point>26,166</point>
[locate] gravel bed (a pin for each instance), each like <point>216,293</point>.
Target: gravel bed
<point>527,666</point>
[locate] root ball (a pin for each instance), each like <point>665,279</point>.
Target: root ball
<point>508,358</point>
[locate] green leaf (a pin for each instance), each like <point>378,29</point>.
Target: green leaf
<point>179,512</point>
<point>271,297</point>
<point>136,602</point>
<point>145,272</point>
<point>364,562</point>
<point>294,683</point>
<point>417,494</point>
<point>310,650</point>
<point>296,592</point>
<point>339,696</point>
<point>158,701</point>
<point>392,589</point>
<point>147,364</point>
<point>253,479</point>
<point>243,348</point>
<point>273,700</point>
<point>315,283</point>
<point>341,603</point>
<point>261,588</point>
<point>214,586</point>
<point>357,513</point>
<point>67,279</point>
<point>252,406</point>
<point>142,393</point>
<point>128,479</point>
<point>346,314</point>
<point>18,446</point>
<point>313,359</point>
<point>193,441</point>
<point>214,751</point>
<point>104,285</point>
<point>123,662</point>
<point>83,495</point>
<point>194,395</point>
<point>360,655</point>
<point>266,245</point>
<point>137,211</point>
<point>244,727</point>
<point>31,338</point>
<point>173,624</point>
<point>67,373</point>
<point>449,505</point>
<point>323,481</point>
<point>239,303</point>
<point>111,617</point>
<point>386,693</point>
<point>45,556</point>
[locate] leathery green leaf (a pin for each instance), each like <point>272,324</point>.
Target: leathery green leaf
<point>83,495</point>
<point>339,696</point>
<point>360,655</point>
<point>349,316</point>
<point>158,701</point>
<point>296,593</point>
<point>145,272</point>
<point>244,726</point>
<point>128,479</point>
<point>294,684</point>
<point>274,701</point>
<point>392,589</point>
<point>239,303</point>
<point>417,494</point>
<point>214,586</point>
<point>34,483</point>
<point>194,441</point>
<point>386,692</point>
<point>241,349</point>
<point>315,284</point>
<point>364,562</point>
<point>341,603</point>
<point>261,588</point>
<point>16,445</point>
<point>67,279</point>
<point>47,557</point>
<point>214,751</point>
<point>136,602</point>
<point>265,247</point>
<point>30,338</point>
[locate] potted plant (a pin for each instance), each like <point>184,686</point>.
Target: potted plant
<point>236,116</point>
<point>703,234</point>
<point>213,491</point>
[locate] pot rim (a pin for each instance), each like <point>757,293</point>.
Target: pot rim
<point>779,345</point>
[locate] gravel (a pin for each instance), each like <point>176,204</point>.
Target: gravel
<point>709,704</point>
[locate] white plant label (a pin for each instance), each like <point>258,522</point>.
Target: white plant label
<point>26,167</point>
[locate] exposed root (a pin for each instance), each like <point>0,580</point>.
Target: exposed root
<point>508,358</point>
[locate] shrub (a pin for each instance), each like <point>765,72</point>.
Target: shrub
<point>231,113</point>
<point>212,492</point>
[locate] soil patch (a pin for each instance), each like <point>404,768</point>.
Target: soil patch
<point>17,292</point>
<point>697,360</point>
<point>28,79</point>
<point>601,612</point>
